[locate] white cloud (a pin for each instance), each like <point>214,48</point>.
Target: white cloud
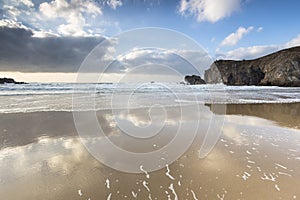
<point>73,12</point>
<point>14,8</point>
<point>27,3</point>
<point>17,3</point>
<point>18,25</point>
<point>12,24</point>
<point>294,42</point>
<point>43,34</point>
<point>71,30</point>
<point>249,52</point>
<point>114,3</point>
<point>12,11</point>
<point>259,29</point>
<point>257,51</point>
<point>63,17</point>
<point>235,37</point>
<point>63,8</point>
<point>209,10</point>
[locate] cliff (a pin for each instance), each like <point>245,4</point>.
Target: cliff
<point>281,68</point>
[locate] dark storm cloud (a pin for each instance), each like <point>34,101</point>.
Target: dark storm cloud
<point>20,51</point>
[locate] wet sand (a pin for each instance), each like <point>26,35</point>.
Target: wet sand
<point>257,156</point>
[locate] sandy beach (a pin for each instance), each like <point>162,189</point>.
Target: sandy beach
<point>256,157</point>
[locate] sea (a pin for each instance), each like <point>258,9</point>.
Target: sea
<point>35,97</point>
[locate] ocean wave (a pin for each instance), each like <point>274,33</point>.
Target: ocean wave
<point>59,97</point>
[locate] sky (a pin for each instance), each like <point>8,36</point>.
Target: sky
<point>47,41</point>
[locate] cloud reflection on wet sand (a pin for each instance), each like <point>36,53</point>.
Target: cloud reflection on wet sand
<point>253,159</point>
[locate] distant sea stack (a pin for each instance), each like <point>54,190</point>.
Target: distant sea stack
<point>281,68</point>
<point>194,80</point>
<point>10,80</point>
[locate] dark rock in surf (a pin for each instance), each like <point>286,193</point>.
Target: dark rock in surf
<point>194,80</point>
<point>10,80</point>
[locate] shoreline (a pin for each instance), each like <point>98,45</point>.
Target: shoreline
<point>22,128</point>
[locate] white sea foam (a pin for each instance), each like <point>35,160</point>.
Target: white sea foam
<point>109,196</point>
<point>58,97</point>
<point>270,177</point>
<point>171,187</point>
<point>221,197</point>
<point>107,183</point>
<point>145,184</point>
<point>134,194</point>
<point>283,173</point>
<point>147,175</point>
<point>246,175</point>
<point>168,173</point>
<point>281,166</point>
<point>194,195</point>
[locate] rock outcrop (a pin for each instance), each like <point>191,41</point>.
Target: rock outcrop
<point>194,80</point>
<point>10,80</point>
<point>281,68</point>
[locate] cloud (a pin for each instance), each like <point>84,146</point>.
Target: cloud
<point>12,24</point>
<point>15,8</point>
<point>43,34</point>
<point>28,3</point>
<point>114,3</point>
<point>253,52</point>
<point>294,42</point>
<point>260,29</point>
<point>72,12</point>
<point>12,11</point>
<point>248,52</point>
<point>67,10</point>
<point>209,10</point>
<point>160,61</point>
<point>63,17</point>
<point>26,50</point>
<point>235,37</point>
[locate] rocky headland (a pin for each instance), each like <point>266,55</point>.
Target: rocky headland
<point>281,68</point>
